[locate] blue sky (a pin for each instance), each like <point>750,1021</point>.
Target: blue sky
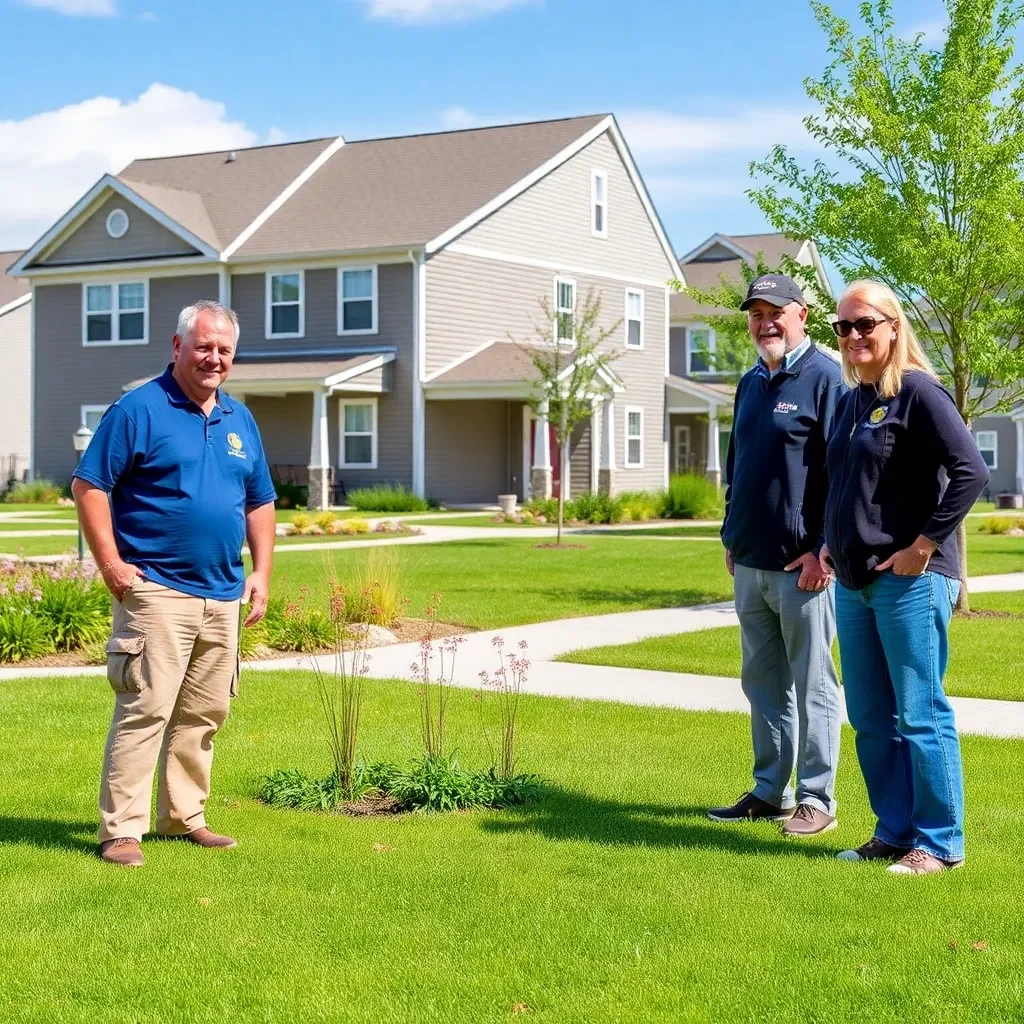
<point>699,88</point>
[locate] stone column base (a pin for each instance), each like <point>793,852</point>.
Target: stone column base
<point>606,482</point>
<point>715,476</point>
<point>540,482</point>
<point>319,487</point>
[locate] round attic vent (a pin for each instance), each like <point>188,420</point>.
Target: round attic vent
<point>117,223</point>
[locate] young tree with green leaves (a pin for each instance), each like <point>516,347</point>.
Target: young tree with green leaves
<point>572,369</point>
<point>734,353</point>
<point>923,189</point>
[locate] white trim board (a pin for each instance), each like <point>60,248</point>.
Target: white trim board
<point>717,239</point>
<point>85,205</point>
<point>15,304</point>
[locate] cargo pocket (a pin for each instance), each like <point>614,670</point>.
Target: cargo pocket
<point>124,662</point>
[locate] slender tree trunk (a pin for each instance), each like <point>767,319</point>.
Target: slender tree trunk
<point>963,602</point>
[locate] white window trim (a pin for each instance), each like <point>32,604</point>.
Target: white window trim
<point>115,323</point>
<point>626,436</point>
<point>101,409</point>
<point>712,348</point>
<point>127,222</point>
<point>268,305</point>
<point>640,292</point>
<point>681,430</point>
<point>342,464</point>
<point>555,338</point>
<point>993,448</point>
<point>596,173</point>
<point>372,267</point>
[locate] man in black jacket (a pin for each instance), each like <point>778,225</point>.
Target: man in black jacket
<point>772,534</point>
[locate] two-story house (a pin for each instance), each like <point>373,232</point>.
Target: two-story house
<point>378,284</point>
<point>698,400</point>
<point>15,343</point>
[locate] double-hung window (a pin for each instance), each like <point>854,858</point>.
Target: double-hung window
<point>599,204</point>
<point>91,416</point>
<point>634,318</point>
<point>565,309</point>
<point>357,300</point>
<point>988,445</point>
<point>358,446</point>
<point>700,350</point>
<point>634,438</point>
<point>286,304</point>
<point>116,314</point>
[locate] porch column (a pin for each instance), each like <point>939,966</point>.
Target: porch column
<point>606,472</point>
<point>540,476</point>
<point>1020,456</point>
<point>319,454</point>
<point>595,444</point>
<point>714,465</point>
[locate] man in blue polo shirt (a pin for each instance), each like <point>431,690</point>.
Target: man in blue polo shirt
<point>172,483</point>
<point>774,518</point>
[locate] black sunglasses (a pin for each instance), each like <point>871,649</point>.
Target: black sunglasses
<point>865,325</point>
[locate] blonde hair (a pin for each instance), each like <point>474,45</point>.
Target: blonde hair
<point>906,353</point>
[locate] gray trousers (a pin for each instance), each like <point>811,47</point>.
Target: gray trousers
<point>790,680</point>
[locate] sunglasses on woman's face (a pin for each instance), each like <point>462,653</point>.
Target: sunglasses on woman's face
<point>864,325</point>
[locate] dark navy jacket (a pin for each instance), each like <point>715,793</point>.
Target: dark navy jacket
<point>775,503</point>
<point>898,468</point>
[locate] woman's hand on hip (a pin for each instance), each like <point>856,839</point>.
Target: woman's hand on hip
<point>910,561</point>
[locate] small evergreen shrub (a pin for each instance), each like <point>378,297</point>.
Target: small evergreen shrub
<point>325,520</point>
<point>1001,524</point>
<point>386,498</point>
<point>691,496</point>
<point>595,509</point>
<point>546,507</point>
<point>640,506</point>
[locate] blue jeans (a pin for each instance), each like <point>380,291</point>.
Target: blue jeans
<point>894,646</point>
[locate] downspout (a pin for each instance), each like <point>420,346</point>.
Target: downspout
<point>418,362</point>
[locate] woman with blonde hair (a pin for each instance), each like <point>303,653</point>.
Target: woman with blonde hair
<point>903,472</point>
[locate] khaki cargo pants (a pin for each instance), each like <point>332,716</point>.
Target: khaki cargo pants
<point>172,661</point>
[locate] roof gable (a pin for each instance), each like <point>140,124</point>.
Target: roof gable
<point>11,288</point>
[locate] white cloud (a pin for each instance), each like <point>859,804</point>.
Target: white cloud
<point>77,8</point>
<point>460,117</point>
<point>423,12</point>
<point>48,160</point>
<point>932,32</point>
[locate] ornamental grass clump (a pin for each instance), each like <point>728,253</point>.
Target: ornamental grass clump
<point>387,498</point>
<point>34,492</point>
<point>374,590</point>
<point>292,626</point>
<point>691,496</point>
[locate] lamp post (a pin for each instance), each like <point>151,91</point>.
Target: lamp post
<point>80,439</point>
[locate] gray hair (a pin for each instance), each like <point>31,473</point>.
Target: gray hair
<point>187,317</point>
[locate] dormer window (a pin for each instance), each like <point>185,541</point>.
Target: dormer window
<point>599,204</point>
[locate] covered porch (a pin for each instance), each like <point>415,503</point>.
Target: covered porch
<point>699,422</point>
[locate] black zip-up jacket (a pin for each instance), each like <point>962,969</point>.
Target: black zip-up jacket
<point>899,468</point>
<point>775,502</point>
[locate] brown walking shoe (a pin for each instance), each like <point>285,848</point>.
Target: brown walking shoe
<point>809,821</point>
<point>210,840</point>
<point>124,851</point>
<point>750,808</point>
<point>873,849</point>
<point>921,862</point>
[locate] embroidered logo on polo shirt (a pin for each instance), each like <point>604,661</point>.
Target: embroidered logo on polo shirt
<point>235,446</point>
<point>876,417</point>
<point>785,408</point>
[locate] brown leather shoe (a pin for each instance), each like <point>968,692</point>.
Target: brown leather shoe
<point>210,840</point>
<point>750,808</point>
<point>124,851</point>
<point>809,821</point>
<point>921,862</point>
<point>873,849</point>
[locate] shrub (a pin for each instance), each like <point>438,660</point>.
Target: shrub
<point>639,506</point>
<point>291,495</point>
<point>324,520</point>
<point>386,498</point>
<point>34,492</point>
<point>290,626</point>
<point>691,496</point>
<point>76,610</point>
<point>546,507</point>
<point>301,521</point>
<point>1002,524</point>
<point>594,508</point>
<point>350,527</point>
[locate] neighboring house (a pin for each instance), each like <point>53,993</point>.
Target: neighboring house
<point>696,398</point>
<point>377,285</point>
<point>1000,440</point>
<point>15,345</point>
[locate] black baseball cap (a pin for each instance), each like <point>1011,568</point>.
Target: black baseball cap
<point>778,289</point>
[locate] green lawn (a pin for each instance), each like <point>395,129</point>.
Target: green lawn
<point>679,530</point>
<point>507,581</point>
<point>37,545</point>
<point>13,506</point>
<point>986,654</point>
<point>284,515</point>
<point>481,520</point>
<point>332,538</point>
<point>8,526</point>
<point>614,899</point>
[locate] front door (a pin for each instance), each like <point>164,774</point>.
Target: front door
<point>681,449</point>
<point>556,456</point>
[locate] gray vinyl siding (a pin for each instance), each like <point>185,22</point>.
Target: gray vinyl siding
<point>285,423</point>
<point>1003,479</point>
<point>474,450</point>
<point>69,375</point>
<point>15,344</point>
<point>677,351</point>
<point>551,220</point>
<point>471,301</point>
<point>579,459</point>
<point>145,238</point>
<point>718,252</point>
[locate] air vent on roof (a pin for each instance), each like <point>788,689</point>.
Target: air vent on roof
<point>231,157</point>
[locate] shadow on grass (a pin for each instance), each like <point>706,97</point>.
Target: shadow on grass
<point>48,834</point>
<point>565,815</point>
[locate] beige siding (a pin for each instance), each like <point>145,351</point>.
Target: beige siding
<point>144,238</point>
<point>15,343</point>
<point>551,221</point>
<point>69,375</point>
<point>471,301</point>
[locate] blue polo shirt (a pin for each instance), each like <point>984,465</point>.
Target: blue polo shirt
<point>179,484</point>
